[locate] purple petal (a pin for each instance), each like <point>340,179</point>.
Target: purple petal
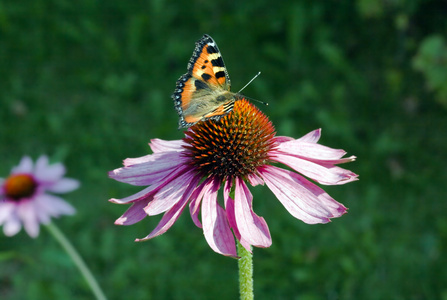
<point>323,174</point>
<point>64,185</point>
<point>48,173</point>
<point>252,228</point>
<point>143,195</point>
<point>6,209</point>
<point>12,225</point>
<point>158,145</point>
<point>154,170</point>
<point>27,213</point>
<point>171,193</point>
<point>215,225</point>
<point>150,191</point>
<point>303,199</point>
<point>25,166</point>
<point>50,205</point>
<point>134,214</point>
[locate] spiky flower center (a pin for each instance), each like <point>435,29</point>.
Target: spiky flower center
<point>19,186</point>
<point>236,145</point>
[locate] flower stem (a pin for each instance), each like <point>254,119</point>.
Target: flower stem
<point>245,273</point>
<point>77,259</point>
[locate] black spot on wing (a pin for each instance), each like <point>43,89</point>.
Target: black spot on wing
<point>200,85</point>
<point>211,49</point>
<point>220,74</point>
<point>206,77</point>
<point>218,62</point>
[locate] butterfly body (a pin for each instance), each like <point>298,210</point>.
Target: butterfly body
<point>203,93</point>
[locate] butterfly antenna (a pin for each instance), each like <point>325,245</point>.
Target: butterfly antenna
<point>259,73</point>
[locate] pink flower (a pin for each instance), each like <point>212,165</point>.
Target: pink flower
<point>238,149</point>
<point>23,197</point>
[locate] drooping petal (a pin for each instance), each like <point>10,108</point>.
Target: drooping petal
<point>149,192</point>
<point>6,209</point>
<point>171,193</point>
<point>171,215</point>
<point>215,224</point>
<point>254,179</point>
<point>231,215</point>
<point>64,185</point>
<point>303,199</point>
<point>158,145</point>
<point>12,225</point>
<point>149,172</point>
<point>252,228</point>
<point>196,200</point>
<point>133,214</point>
<point>142,195</point>
<point>321,173</point>
<point>52,206</point>
<point>27,213</point>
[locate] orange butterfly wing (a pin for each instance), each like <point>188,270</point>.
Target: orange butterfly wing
<point>204,91</point>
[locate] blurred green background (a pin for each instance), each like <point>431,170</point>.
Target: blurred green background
<point>89,83</point>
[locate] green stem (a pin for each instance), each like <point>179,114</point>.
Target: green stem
<point>77,259</point>
<point>245,273</point>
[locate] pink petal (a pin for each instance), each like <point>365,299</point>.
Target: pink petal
<point>196,200</point>
<point>138,160</point>
<point>158,145</point>
<point>311,137</point>
<point>282,139</point>
<point>231,216</point>
<point>252,228</point>
<point>64,185</point>
<point>255,180</point>
<point>310,150</point>
<point>169,217</point>
<point>215,225</point>
<point>134,214</point>
<point>150,172</point>
<point>300,197</point>
<point>323,174</point>
<point>171,193</point>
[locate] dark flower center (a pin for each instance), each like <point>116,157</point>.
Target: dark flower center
<point>235,145</point>
<point>19,186</point>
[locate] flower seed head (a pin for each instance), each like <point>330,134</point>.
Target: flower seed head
<point>234,146</point>
<point>19,186</point>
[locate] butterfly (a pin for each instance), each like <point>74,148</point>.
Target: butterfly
<point>203,93</point>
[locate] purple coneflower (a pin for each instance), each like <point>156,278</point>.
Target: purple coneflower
<point>24,198</point>
<point>238,149</point>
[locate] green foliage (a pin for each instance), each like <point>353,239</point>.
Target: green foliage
<point>89,83</point>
